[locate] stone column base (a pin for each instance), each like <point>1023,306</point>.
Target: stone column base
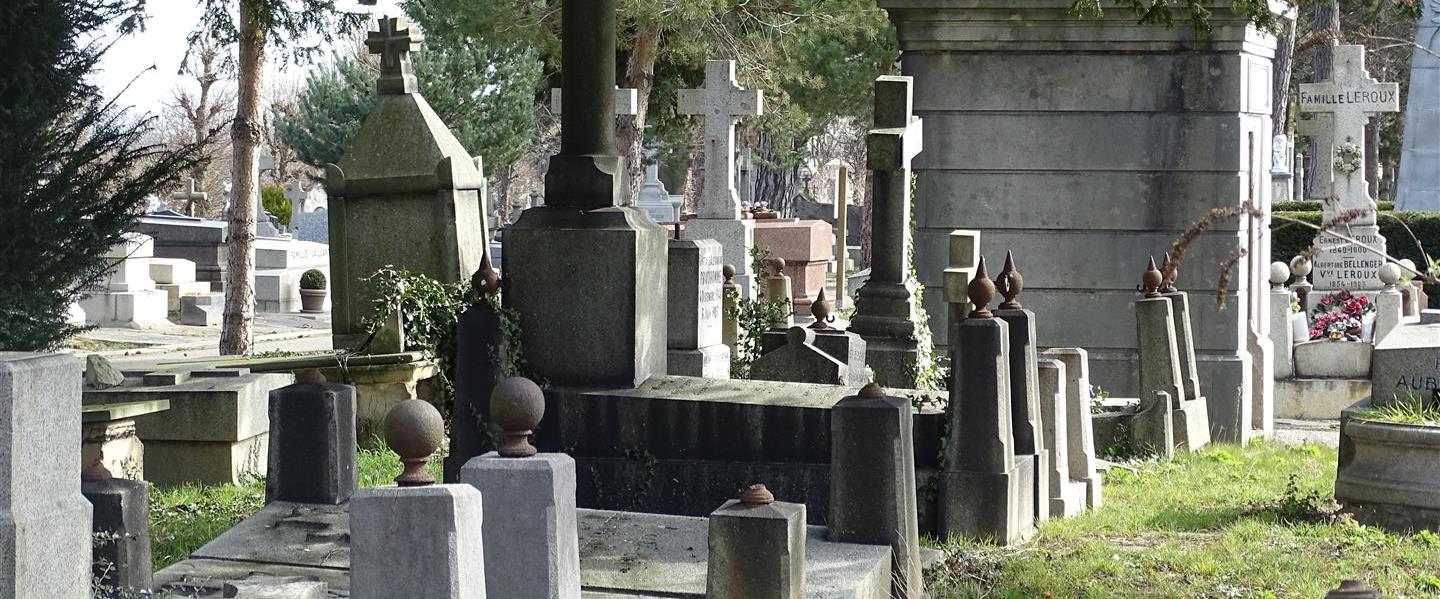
<point>711,362</point>
<point>999,506</point>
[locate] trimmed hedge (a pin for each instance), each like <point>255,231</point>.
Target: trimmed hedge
<point>1317,205</point>
<point>1289,239</point>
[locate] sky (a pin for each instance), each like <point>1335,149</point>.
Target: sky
<point>143,68</point>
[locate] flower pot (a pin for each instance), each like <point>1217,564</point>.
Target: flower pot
<point>312,300</point>
<point>766,215</point>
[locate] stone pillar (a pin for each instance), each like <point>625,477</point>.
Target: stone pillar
<point>964,253</point>
<point>730,325</point>
<point>1184,338</point>
<point>1282,334</point>
<point>778,287</point>
<point>45,545</point>
<point>1300,266</point>
<point>986,490</point>
<point>1161,365</point>
<point>872,482</point>
<point>1025,411</point>
<point>757,548</point>
<point>121,557</point>
<point>1067,497</point>
<point>418,540</point>
<point>1080,436</point>
<point>584,248</point>
<point>1120,193</point>
<point>842,236</point>
<point>1154,428</point>
<point>800,361</point>
<point>477,337</point>
<point>312,442</point>
<point>885,309</point>
<point>532,543</point>
<point>695,306</point>
<point>1388,302</point>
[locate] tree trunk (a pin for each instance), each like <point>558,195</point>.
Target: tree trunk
<point>1372,156</point>
<point>237,335</point>
<point>500,205</point>
<point>630,134</point>
<point>774,186</point>
<point>1284,66</point>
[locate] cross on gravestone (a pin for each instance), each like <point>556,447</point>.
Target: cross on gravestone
<point>394,41</point>
<point>190,196</point>
<point>627,101</point>
<point>1350,97</point>
<point>296,194</point>
<point>721,102</point>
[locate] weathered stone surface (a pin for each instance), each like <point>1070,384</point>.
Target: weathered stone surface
<point>100,374</point>
<point>1162,371</point>
<point>1067,497</point>
<point>1317,399</point>
<point>532,548</point>
<point>477,338</point>
<point>695,309</point>
<point>1282,334</point>
<point>202,310</point>
<point>736,237</point>
<point>420,542</point>
<point>1389,474</point>
<point>1324,358</point>
<point>844,346</point>
<point>800,361</point>
<point>1418,188</point>
<point>1406,364</point>
<point>1079,432</point>
<point>121,558</point>
<point>312,444</point>
<point>274,587</point>
<point>44,520</point>
<point>202,242</point>
<point>807,246</point>
<point>757,551</point>
<point>1025,411</point>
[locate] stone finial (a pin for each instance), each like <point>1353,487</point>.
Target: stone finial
<point>310,375</point>
<point>1353,589</point>
<point>1168,273</point>
<point>1279,273</point>
<point>822,310</point>
<point>1301,266</point>
<point>777,266</point>
<point>1151,280</point>
<point>872,390</point>
<point>981,290</point>
<point>485,280</point>
<point>799,336</point>
<point>414,430</point>
<point>1010,283</point>
<point>516,405</point>
<point>1389,274</point>
<point>729,271</point>
<point>757,494</point>
<point>394,41</point>
<point>97,469</point>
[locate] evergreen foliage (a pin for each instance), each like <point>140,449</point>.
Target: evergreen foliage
<point>328,112</point>
<point>75,168</point>
<point>273,199</point>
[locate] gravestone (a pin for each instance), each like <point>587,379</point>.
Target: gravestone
<point>1281,179</point>
<point>695,347</point>
<point>1145,128</point>
<point>1320,129</point>
<point>964,246</point>
<point>584,250</point>
<point>128,297</point>
<point>44,520</point>
<point>1025,400</point>
<point>406,194</point>
<point>1161,369</point>
<point>1079,429</point>
<point>800,361</point>
<point>192,199</point>
<point>1350,97</point>
<point>201,241</point>
<point>1067,497</point>
<point>1418,185</point>
<point>654,199</point>
<point>721,104</point>
<point>885,308</point>
<point>479,348</point>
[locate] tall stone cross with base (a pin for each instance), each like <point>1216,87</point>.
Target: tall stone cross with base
<point>721,102</point>
<point>394,42</point>
<point>627,101</point>
<point>1349,98</point>
<point>190,196</point>
<point>885,310</point>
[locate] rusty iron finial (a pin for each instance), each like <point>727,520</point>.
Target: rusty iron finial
<point>414,430</point>
<point>1168,273</point>
<point>757,494</point>
<point>485,280</point>
<point>777,266</point>
<point>822,310</point>
<point>981,291</point>
<point>310,375</point>
<point>729,271</point>
<point>516,405</point>
<point>872,390</point>
<point>97,470</point>
<point>1151,280</point>
<point>1009,284</point>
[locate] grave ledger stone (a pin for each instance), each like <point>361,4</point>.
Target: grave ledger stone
<point>584,250</point>
<point>406,194</point>
<point>1146,128</point>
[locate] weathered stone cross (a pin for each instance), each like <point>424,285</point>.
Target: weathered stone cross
<point>394,41</point>
<point>721,102</point>
<point>896,139</point>
<point>190,196</point>
<point>627,102</point>
<point>1350,97</point>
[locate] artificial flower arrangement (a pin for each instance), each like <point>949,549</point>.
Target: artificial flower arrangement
<point>1349,158</point>
<point>1340,316</point>
<point>756,206</point>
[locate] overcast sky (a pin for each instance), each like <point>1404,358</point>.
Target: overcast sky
<point>151,59</point>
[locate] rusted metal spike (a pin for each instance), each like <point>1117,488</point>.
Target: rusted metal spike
<point>1151,280</point>
<point>1010,283</point>
<point>981,290</point>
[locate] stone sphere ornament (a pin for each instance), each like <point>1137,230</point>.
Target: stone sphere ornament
<point>1301,266</point>
<point>729,272</point>
<point>1389,274</point>
<point>414,430</point>
<point>1407,269</point>
<point>872,390</point>
<point>1353,589</point>
<point>1279,273</point>
<point>981,291</point>
<point>516,406</point>
<point>777,266</point>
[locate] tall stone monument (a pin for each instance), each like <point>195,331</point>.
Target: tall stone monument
<point>1145,128</point>
<point>407,194</point>
<point>1350,97</point>
<point>1418,187</point>
<point>722,102</point>
<point>885,308</point>
<point>586,273</point>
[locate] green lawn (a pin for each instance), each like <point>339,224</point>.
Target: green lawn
<point>1225,522</point>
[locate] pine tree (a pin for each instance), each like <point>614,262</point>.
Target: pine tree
<point>329,111</point>
<point>74,169</point>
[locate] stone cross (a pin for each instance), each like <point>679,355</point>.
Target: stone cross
<point>721,102</point>
<point>896,139</point>
<point>297,195</point>
<point>1350,97</point>
<point>190,196</point>
<point>394,41</point>
<point>627,102</point>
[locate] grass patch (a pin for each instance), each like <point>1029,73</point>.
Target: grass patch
<point>1224,522</point>
<point>88,345</point>
<point>183,519</point>
<point>1406,411</point>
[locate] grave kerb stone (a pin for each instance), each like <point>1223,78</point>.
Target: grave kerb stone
<point>420,542</point>
<point>532,547</point>
<point>1067,497</point>
<point>756,551</point>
